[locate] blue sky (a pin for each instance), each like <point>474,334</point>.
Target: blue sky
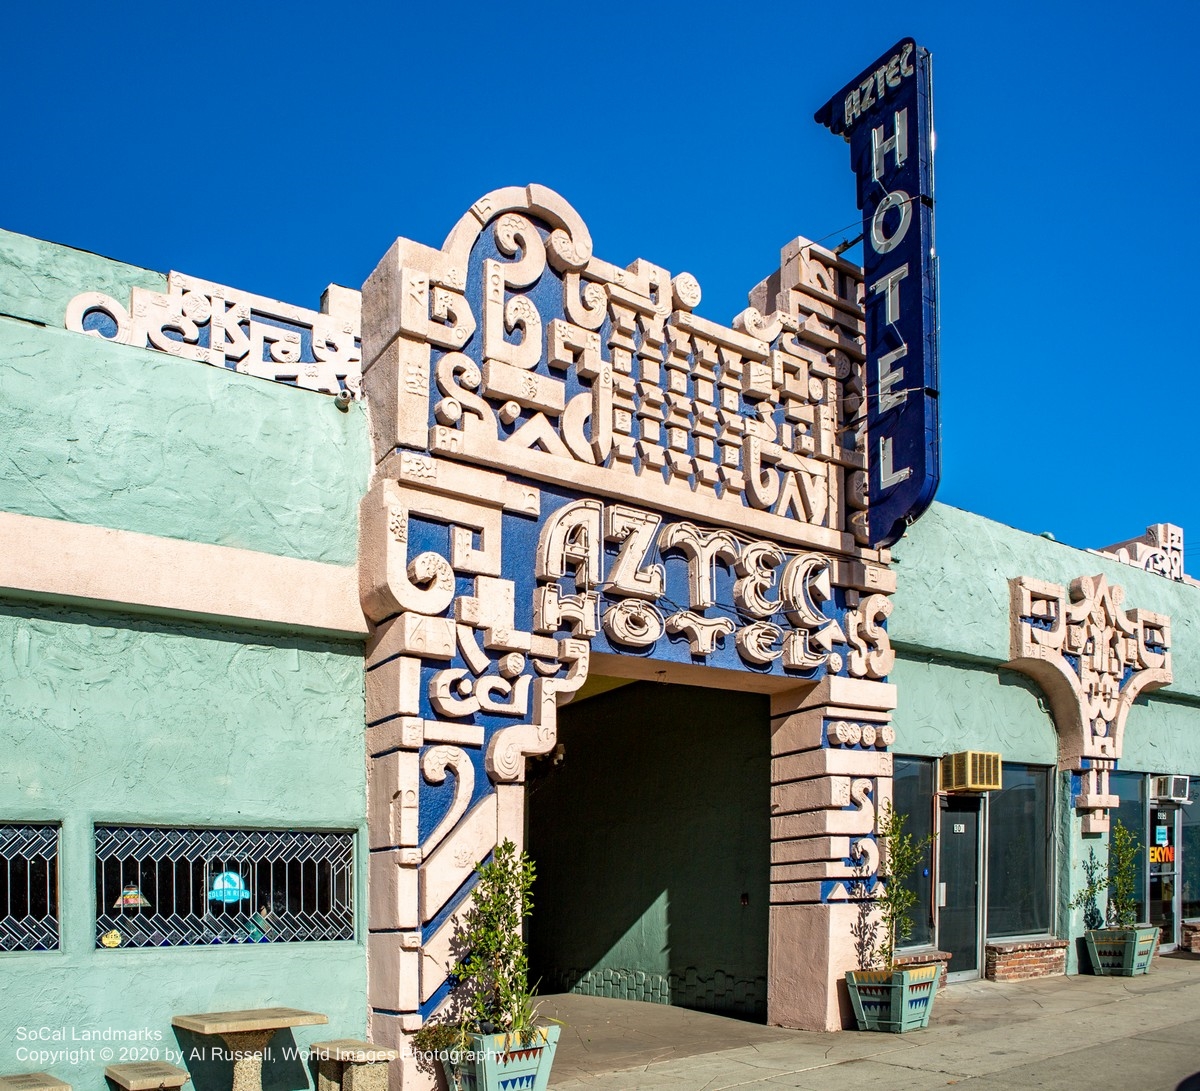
<point>279,148</point>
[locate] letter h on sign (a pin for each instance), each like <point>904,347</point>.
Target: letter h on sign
<point>886,115</point>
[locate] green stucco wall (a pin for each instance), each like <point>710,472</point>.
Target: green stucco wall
<point>118,720</point>
<point>952,572</point>
<point>38,279</point>
<point>134,439</point>
<point>107,717</point>
<point>646,838</point>
<point>950,626</point>
<point>947,705</point>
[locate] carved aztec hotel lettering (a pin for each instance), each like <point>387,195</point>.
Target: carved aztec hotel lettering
<point>1093,660</point>
<point>571,463</point>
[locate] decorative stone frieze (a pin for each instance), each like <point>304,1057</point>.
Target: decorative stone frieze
<point>1159,550</point>
<point>1092,660</point>
<point>213,324</point>
<point>570,462</point>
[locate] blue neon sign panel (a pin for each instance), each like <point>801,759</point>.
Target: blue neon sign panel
<point>886,115</point>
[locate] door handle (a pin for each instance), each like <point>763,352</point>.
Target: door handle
<point>941,896</point>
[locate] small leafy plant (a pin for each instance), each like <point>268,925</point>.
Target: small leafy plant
<point>876,937</point>
<point>1096,882</point>
<point>1119,880</point>
<point>1123,851</point>
<point>492,993</point>
<point>494,968</point>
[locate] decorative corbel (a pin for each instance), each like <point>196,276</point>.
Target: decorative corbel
<point>1092,659</point>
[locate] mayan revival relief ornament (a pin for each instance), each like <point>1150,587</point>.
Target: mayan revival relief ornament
<point>572,467</point>
<point>1092,660</point>
<point>213,324</point>
<point>1159,550</point>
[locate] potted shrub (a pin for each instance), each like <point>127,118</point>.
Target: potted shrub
<point>886,997</point>
<point>489,1037</point>
<point>1123,948</point>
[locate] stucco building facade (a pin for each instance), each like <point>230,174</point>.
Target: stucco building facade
<point>305,611</point>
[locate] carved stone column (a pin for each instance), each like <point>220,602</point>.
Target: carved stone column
<point>831,777</point>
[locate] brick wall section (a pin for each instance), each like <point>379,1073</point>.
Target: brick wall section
<point>924,959</point>
<point>1025,960</point>
<point>1190,939</point>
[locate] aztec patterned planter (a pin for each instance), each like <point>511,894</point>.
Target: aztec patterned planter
<point>1121,952</point>
<point>893,1000</point>
<point>498,1062</point>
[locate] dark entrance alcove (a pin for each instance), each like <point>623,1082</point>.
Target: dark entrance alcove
<point>651,836</point>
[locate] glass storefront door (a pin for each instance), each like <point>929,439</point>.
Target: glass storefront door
<point>1163,862</point>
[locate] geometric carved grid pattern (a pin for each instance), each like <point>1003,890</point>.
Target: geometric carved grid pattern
<point>28,888</point>
<point>160,887</point>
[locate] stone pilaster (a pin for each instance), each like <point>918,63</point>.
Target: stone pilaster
<point>831,777</point>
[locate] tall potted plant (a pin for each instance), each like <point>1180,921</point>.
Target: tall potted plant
<point>490,1038</point>
<point>1123,948</point>
<point>885,997</point>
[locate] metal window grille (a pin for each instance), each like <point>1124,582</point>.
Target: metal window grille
<point>28,888</point>
<point>176,887</point>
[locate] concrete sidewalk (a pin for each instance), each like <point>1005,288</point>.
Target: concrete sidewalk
<point>1060,1032</point>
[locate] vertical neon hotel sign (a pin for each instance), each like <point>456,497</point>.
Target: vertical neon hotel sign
<point>886,115</point>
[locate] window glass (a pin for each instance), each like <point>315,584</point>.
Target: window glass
<point>914,789</point>
<point>1020,852</point>
<point>28,887</point>
<point>1189,857</point>
<point>1131,788</point>
<point>159,887</point>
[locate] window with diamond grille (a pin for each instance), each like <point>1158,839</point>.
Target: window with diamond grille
<point>172,887</point>
<point>28,888</point>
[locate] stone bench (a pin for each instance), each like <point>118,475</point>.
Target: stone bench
<point>146,1076</point>
<point>346,1064</point>
<point>32,1081</point>
<point>1025,959</point>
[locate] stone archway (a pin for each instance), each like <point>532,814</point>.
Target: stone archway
<point>570,462</point>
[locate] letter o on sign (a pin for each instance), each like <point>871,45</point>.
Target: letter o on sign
<point>901,201</point>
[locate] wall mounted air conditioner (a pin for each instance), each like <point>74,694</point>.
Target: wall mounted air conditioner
<point>1169,789</point>
<point>971,771</point>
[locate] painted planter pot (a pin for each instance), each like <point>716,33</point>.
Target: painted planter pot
<point>501,1062</point>
<point>893,1000</point>
<point>1121,952</point>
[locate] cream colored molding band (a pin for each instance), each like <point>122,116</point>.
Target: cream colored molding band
<point>77,563</point>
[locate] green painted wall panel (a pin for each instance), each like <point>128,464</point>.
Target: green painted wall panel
<point>946,706</point>
<point>952,572</point>
<point>137,440</point>
<point>38,279</point>
<point>108,719</point>
<point>1163,736</point>
<point>646,837</point>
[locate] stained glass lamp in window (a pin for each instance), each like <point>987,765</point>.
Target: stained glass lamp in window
<point>131,898</point>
